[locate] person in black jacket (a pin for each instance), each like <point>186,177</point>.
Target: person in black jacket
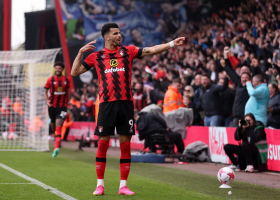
<point>273,109</point>
<point>207,98</point>
<point>227,99</point>
<point>253,149</point>
<point>197,121</point>
<point>148,123</point>
<point>241,93</point>
<point>268,77</point>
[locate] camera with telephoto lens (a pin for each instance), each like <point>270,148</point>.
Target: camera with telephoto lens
<point>244,122</point>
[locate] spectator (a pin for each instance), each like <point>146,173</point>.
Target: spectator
<point>148,123</point>
<point>17,107</point>
<point>207,99</point>
<point>197,82</point>
<point>139,96</point>
<point>173,98</point>
<point>241,94</point>
<point>273,110</point>
<point>188,91</point>
<point>74,101</point>
<point>197,121</point>
<point>227,99</point>
<point>90,109</point>
<point>253,149</point>
<point>259,97</point>
<point>173,21</point>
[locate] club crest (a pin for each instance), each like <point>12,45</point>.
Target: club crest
<point>100,129</point>
<point>121,52</point>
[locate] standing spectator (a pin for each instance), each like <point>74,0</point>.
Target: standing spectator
<point>273,110</point>
<point>17,107</point>
<point>197,121</point>
<point>241,94</point>
<point>209,100</point>
<point>188,91</point>
<point>90,109</point>
<point>173,98</point>
<point>197,82</point>
<point>227,99</point>
<point>259,97</point>
<point>172,20</point>
<point>75,101</point>
<point>139,96</point>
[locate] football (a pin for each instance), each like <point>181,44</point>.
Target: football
<point>225,175</point>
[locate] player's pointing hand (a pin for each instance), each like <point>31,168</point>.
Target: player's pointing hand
<point>179,41</point>
<point>88,47</point>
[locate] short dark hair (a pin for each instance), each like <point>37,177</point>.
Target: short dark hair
<point>259,78</point>
<point>176,80</point>
<point>106,28</point>
<point>274,86</point>
<point>206,75</point>
<point>61,64</point>
<point>247,74</point>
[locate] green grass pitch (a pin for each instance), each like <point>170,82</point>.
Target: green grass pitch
<point>74,174</point>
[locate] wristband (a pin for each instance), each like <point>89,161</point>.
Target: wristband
<point>172,43</point>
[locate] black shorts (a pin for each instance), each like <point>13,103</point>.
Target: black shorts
<point>117,114</point>
<point>57,113</point>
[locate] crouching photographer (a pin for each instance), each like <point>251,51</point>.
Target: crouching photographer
<point>253,149</point>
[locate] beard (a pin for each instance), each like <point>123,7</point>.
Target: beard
<point>58,73</point>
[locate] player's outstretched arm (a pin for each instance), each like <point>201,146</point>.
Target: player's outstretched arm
<point>162,47</point>
<point>77,67</point>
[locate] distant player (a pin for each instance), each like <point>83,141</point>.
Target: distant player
<point>57,102</point>
<point>113,66</point>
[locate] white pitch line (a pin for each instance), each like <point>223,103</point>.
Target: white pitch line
<point>49,188</point>
<point>18,183</point>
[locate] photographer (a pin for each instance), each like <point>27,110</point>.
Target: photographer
<point>253,149</point>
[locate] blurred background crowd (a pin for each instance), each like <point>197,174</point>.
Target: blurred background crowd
<point>251,31</point>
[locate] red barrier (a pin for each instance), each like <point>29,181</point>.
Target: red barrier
<point>77,129</point>
<point>215,137</point>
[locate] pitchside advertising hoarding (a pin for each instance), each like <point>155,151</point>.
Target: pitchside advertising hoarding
<point>215,137</point>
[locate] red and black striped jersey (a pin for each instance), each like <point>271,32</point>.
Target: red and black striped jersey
<point>58,90</point>
<point>113,68</point>
<point>139,100</point>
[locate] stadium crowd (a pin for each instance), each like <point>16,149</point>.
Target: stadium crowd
<point>214,81</point>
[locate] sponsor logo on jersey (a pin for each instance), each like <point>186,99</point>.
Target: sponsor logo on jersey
<point>114,70</point>
<point>59,89</point>
<point>114,62</point>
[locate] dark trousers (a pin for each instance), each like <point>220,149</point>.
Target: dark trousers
<point>174,137</point>
<point>247,154</point>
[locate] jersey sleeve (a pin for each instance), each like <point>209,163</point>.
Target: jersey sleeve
<point>88,63</point>
<point>48,83</point>
<point>136,52</point>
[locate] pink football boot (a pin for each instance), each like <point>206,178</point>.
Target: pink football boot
<point>125,191</point>
<point>99,190</point>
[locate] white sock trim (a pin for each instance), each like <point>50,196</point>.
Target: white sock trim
<point>123,183</point>
<point>100,182</point>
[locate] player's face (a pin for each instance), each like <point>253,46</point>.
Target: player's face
<point>115,37</point>
<point>58,70</point>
